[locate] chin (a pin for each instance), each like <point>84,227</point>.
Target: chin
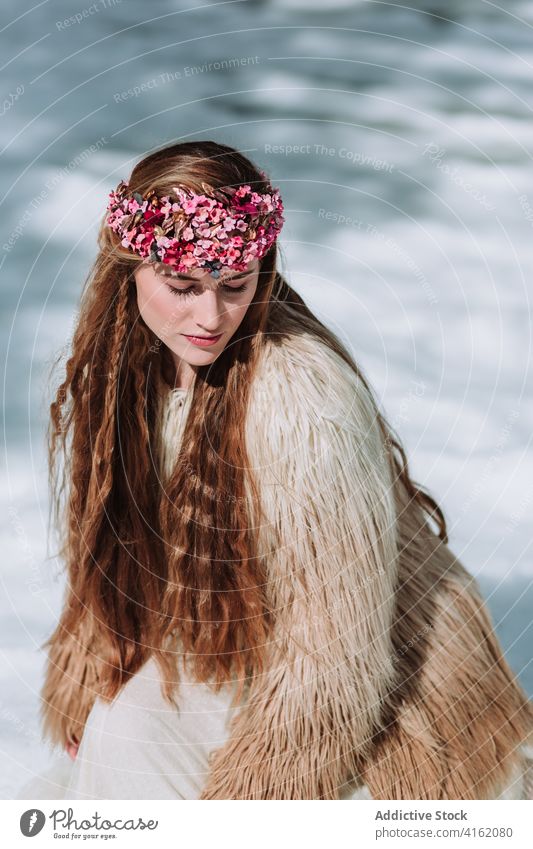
<point>199,356</point>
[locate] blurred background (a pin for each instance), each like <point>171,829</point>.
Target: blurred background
<point>400,137</point>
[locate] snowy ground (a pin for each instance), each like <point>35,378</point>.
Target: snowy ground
<point>403,159</point>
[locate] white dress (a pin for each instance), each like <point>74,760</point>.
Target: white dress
<point>141,747</point>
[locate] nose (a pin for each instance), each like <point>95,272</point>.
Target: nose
<point>208,311</point>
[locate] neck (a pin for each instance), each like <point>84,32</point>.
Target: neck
<point>184,374</point>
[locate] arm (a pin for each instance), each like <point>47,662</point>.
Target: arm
<point>326,491</point>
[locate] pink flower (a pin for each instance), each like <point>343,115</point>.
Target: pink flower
<point>251,250</point>
<point>216,215</point>
<point>188,261</point>
<point>202,214</point>
<point>189,206</point>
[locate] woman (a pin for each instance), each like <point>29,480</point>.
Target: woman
<point>258,606</point>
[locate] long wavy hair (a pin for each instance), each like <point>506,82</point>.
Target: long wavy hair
<point>148,563</point>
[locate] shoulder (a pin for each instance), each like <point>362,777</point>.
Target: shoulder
<point>301,375</point>
<point>314,438</point>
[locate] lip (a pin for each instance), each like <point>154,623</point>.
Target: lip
<point>203,341</point>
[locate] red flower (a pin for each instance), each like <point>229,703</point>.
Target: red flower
<point>153,216</point>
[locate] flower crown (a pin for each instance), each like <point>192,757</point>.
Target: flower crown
<point>227,226</point>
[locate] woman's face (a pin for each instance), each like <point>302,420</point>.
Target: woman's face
<point>180,309</point>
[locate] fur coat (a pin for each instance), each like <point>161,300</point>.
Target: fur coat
<point>383,668</point>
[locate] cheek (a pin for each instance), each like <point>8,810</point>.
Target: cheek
<point>239,310</point>
<point>238,313</point>
<point>159,308</point>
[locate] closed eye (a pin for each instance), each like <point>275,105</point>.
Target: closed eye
<point>190,289</point>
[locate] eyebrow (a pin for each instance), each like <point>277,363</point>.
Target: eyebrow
<point>195,279</point>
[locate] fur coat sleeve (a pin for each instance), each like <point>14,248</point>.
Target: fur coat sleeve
<point>329,535</point>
